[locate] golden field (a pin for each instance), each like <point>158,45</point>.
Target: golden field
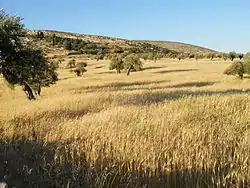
<point>174,124</point>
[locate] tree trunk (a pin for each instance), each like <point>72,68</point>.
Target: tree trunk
<point>39,90</point>
<point>28,91</point>
<point>130,68</point>
<point>241,76</point>
<point>118,71</point>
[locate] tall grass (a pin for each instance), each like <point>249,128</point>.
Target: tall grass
<point>149,134</point>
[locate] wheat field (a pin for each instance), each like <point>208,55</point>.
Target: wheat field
<point>174,124</point>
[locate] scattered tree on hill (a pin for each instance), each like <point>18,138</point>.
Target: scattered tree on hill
<point>180,57</point>
<point>71,64</point>
<point>219,55</point>
<point>54,39</point>
<point>116,63</point>
<point>150,56</point>
<point>79,68</point>
<point>197,57</point>
<point>240,55</point>
<point>144,56</point>
<point>132,62</point>
<point>213,55</point>
<point>191,56</point>
<point>99,57</point>
<point>232,55</point>
<point>40,35</point>
<point>225,56</point>
<point>20,64</point>
<point>68,45</point>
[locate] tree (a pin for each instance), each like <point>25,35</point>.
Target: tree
<point>144,56</point>
<point>71,64</point>
<point>80,68</point>
<point>240,55</point>
<point>116,63</point>
<point>225,56</point>
<point>180,57</point>
<point>40,35</point>
<point>237,68</point>
<point>19,63</point>
<point>67,45</point>
<point>132,62</point>
<point>232,55</point>
<point>54,39</point>
<point>197,57</point>
<point>191,56</point>
<point>150,56</point>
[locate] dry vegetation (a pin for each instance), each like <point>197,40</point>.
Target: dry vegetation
<point>174,124</point>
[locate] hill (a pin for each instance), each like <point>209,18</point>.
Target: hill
<point>139,45</point>
<point>180,47</point>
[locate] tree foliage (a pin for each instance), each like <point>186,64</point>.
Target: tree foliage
<point>19,63</point>
<point>132,63</point>
<point>80,68</point>
<point>237,68</point>
<point>232,55</point>
<point>71,64</point>
<point>117,64</point>
<point>240,55</point>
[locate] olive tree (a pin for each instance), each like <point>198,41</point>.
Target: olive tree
<point>240,55</point>
<point>132,62</point>
<point>20,64</point>
<point>79,68</point>
<point>239,67</point>
<point>232,55</point>
<point>117,64</point>
<point>71,64</point>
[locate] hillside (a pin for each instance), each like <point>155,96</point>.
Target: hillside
<point>125,43</point>
<point>180,47</point>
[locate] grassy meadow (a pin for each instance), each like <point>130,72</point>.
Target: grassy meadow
<point>174,124</point>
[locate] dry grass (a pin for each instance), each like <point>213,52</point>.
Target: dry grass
<point>175,124</point>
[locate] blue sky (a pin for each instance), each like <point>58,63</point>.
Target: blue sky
<point>217,24</point>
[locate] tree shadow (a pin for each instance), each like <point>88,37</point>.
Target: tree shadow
<point>35,164</point>
<point>116,86</point>
<point>193,84</point>
<point>130,86</point>
<point>66,78</point>
<point>107,72</point>
<point>152,68</point>
<point>156,97</point>
<point>98,67</point>
<point>175,70</point>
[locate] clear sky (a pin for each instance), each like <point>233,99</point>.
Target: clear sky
<point>222,25</point>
